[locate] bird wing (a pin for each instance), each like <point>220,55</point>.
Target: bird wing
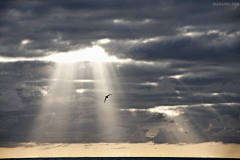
<point>105,99</point>
<point>109,94</point>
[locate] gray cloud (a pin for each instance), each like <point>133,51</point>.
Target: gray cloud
<point>201,48</point>
<point>64,26</point>
<point>10,101</point>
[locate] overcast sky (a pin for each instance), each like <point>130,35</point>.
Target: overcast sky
<point>172,67</point>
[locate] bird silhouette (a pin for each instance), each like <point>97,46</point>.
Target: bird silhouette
<point>186,132</point>
<point>106,97</point>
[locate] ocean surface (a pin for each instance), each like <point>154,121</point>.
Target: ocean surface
<point>128,158</point>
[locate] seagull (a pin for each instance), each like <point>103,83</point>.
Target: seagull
<point>106,97</point>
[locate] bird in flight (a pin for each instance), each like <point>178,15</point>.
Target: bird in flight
<point>186,132</point>
<point>106,97</point>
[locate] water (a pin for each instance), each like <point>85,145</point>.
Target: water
<point>120,158</point>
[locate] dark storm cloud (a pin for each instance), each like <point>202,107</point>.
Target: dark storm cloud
<point>10,101</point>
<point>147,83</point>
<point>203,125</point>
<point>64,26</point>
<point>16,91</point>
<point>82,127</point>
<point>184,48</point>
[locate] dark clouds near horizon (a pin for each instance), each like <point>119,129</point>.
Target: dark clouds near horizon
<point>185,56</point>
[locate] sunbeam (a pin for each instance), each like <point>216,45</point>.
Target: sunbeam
<point>54,114</point>
<point>107,111</point>
<point>77,75</point>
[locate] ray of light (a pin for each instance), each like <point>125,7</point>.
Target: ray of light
<point>69,83</point>
<point>184,125</point>
<point>107,111</point>
<point>55,109</point>
<point>222,101</point>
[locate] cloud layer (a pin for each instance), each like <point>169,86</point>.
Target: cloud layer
<point>176,81</point>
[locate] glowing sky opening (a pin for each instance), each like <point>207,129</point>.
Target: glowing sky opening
<point>94,54</point>
<point>62,84</point>
<point>91,54</point>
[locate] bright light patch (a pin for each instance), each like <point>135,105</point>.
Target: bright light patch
<point>95,53</point>
<point>173,111</point>
<point>118,21</point>
<point>213,32</point>
<point>80,90</point>
<point>152,39</point>
<point>193,34</point>
<point>165,110</point>
<point>25,41</point>
<point>149,84</point>
<point>170,111</point>
<point>83,80</point>
<point>104,41</point>
<point>141,22</point>
<point>176,76</point>
<point>146,21</point>
<point>75,80</point>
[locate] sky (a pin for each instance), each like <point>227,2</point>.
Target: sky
<point>171,66</point>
